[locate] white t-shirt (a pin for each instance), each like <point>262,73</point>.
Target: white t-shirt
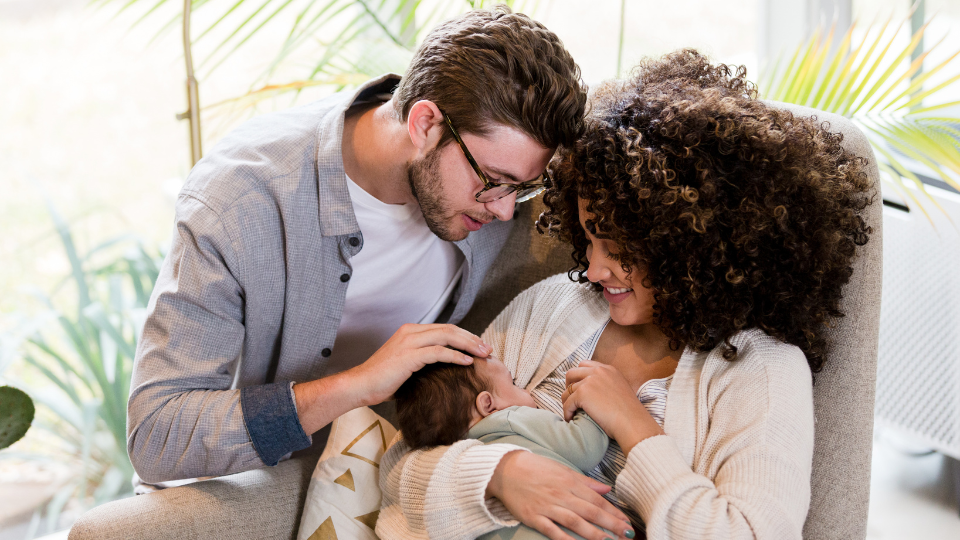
<point>403,274</point>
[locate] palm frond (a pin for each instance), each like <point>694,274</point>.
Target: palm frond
<point>879,83</point>
<point>343,31</point>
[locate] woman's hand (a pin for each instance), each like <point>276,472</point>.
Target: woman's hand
<point>542,493</point>
<point>603,392</point>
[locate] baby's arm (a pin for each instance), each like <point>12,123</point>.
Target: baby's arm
<point>579,441</point>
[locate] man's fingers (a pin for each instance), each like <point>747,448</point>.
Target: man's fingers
<point>448,335</point>
<point>442,354</point>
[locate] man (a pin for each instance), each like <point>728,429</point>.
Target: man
<point>306,238</point>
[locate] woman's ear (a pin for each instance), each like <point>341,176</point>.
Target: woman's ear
<point>424,125</point>
<point>485,404</point>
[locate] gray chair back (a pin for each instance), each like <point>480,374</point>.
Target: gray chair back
<point>844,390</point>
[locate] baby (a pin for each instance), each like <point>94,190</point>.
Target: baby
<point>444,403</point>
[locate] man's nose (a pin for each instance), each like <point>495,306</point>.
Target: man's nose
<point>503,208</point>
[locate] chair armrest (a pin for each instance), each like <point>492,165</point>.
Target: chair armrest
<point>264,503</point>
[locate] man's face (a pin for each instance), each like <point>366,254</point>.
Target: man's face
<point>445,184</point>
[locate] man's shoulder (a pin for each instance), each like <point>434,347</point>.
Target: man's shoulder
<point>264,148</point>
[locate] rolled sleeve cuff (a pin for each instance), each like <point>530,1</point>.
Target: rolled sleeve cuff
<point>270,415</point>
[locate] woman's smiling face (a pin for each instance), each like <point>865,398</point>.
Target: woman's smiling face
<point>630,302</point>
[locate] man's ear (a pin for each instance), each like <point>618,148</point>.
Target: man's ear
<point>425,125</point>
<point>485,404</point>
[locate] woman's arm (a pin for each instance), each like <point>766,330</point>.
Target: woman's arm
<point>752,454</point>
<point>474,488</point>
<point>440,492</point>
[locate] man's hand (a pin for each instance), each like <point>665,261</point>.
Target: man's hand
<point>374,381</point>
<point>409,349</point>
<point>543,494</point>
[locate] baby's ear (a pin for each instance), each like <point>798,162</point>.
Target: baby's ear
<point>485,404</point>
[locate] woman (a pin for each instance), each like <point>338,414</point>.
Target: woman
<point>720,232</point>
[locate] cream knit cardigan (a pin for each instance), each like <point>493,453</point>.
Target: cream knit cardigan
<point>735,461</point>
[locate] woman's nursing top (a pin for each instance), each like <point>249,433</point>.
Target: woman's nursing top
<point>652,394</point>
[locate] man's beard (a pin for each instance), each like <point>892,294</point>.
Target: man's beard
<point>427,186</point>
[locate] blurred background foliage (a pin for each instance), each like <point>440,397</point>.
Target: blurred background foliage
<point>81,343</point>
<point>334,43</point>
<point>871,75</point>
<point>883,87</point>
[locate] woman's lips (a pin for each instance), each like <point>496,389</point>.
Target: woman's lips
<point>616,296</point>
<point>472,224</point>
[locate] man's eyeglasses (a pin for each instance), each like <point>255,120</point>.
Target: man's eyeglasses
<point>493,191</point>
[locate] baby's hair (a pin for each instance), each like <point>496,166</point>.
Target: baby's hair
<point>434,404</point>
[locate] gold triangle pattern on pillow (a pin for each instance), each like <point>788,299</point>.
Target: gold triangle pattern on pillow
<point>383,443</point>
<point>346,480</point>
<point>325,531</point>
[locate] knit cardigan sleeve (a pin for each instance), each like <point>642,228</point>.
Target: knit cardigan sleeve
<point>749,436</point>
<point>440,493</point>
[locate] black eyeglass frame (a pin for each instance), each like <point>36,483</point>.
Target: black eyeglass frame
<point>534,187</point>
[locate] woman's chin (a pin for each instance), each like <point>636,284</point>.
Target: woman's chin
<point>625,317</point>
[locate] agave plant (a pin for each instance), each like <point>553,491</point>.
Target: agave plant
<point>84,347</point>
<point>883,88</point>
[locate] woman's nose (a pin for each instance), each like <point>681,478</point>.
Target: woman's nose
<point>596,269</point>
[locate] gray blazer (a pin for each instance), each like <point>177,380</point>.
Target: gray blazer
<point>250,296</point>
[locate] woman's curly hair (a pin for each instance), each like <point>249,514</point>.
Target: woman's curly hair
<point>738,214</point>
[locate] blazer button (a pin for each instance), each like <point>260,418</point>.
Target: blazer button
<point>354,241</point>
<point>345,278</point>
<point>325,353</point>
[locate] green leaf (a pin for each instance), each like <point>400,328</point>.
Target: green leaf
<point>219,20</point>
<point>883,79</point>
<point>852,96</point>
<point>63,384</point>
<point>76,267</point>
<point>67,367</point>
<point>930,108</point>
<point>233,34</point>
<point>919,97</point>
<point>828,78</point>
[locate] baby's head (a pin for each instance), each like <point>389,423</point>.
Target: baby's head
<point>441,402</point>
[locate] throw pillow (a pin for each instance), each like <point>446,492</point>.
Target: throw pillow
<point>343,500</point>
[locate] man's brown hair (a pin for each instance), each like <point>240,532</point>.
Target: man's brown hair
<point>496,67</point>
<point>434,404</point>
